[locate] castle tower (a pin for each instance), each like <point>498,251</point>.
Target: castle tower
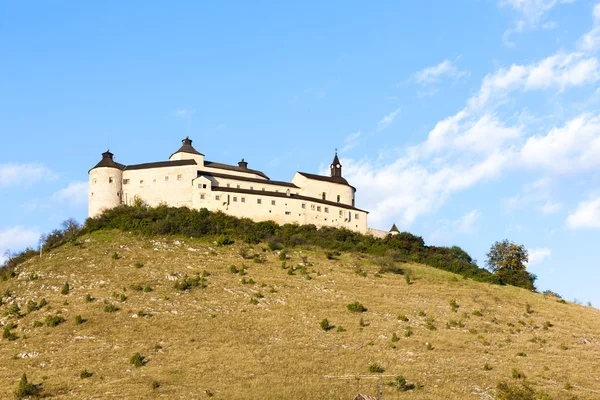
<point>105,185</point>
<point>188,152</point>
<point>336,167</point>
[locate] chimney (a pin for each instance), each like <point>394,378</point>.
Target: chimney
<point>107,154</point>
<point>243,164</point>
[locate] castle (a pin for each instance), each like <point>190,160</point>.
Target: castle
<point>189,180</point>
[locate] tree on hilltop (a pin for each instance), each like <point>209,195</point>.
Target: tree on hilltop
<point>507,261</point>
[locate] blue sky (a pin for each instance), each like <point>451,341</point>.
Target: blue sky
<point>464,122</point>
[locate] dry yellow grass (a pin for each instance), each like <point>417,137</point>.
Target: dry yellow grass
<point>213,341</point>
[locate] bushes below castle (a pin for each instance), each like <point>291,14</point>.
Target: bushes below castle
<point>164,220</point>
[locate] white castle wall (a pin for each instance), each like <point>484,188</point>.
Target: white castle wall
<point>105,189</point>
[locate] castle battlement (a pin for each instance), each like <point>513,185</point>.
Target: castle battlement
<point>187,179</point>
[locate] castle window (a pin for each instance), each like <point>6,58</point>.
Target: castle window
<point>178,177</point>
<point>94,181</point>
<point>319,208</point>
<point>272,202</point>
<point>287,213</point>
<point>154,180</point>
<point>324,196</point>
<point>238,186</point>
<point>243,199</point>
<point>355,216</point>
<point>338,198</point>
<point>312,207</point>
<point>110,179</point>
<point>202,196</point>
<point>141,181</point>
<point>235,199</point>
<point>303,205</point>
<point>217,197</point>
<point>251,188</point>
<point>92,193</point>
<point>204,186</point>
<point>228,185</point>
<point>125,181</point>
<point>258,201</point>
<point>326,209</point>
<point>166,179</point>
<point>263,189</point>
<point>341,213</point>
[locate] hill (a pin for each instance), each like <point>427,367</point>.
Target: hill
<point>240,321</point>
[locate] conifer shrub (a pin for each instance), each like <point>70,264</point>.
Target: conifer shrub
<point>274,246</point>
<point>110,308</point>
<point>421,313</point>
<point>116,256</point>
<point>401,384</point>
<point>187,283</point>
<point>136,287</point>
<point>395,337</point>
<point>254,301</point>
<point>138,360</point>
<point>359,271</point>
<point>340,329</point>
<point>477,313</point>
<point>429,346</point>
<point>454,305</point>
<point>14,310</point>
<point>403,318</point>
<point>138,264</point>
<point>85,374</point>
<point>38,324</point>
<point>7,334</point>
<point>487,367</point>
<point>528,308</point>
<point>32,306</point>
<point>356,307</point>
<point>516,374</point>
<point>54,320</point>
<point>429,324</point>
<point>155,385</point>
<point>326,326</point>
<point>88,298</point>
<point>506,391</point>
<point>407,279</point>
<point>376,368</point>
<point>148,289</point>
<point>233,269</point>
<point>361,323</point>
<point>224,240</point>
<point>79,320</point>
<point>407,331</point>
<point>283,255</point>
<point>66,288</point>
<point>27,389</point>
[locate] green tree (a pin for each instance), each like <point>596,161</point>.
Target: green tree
<point>507,261</point>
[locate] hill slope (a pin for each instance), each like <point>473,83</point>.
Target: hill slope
<point>263,339</point>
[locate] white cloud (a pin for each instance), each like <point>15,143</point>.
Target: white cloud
<point>560,70</point>
<point>591,40</point>
<point>586,215</point>
<point>530,14</point>
<point>433,74</point>
<point>387,120</point>
<point>351,142</point>
<point>536,256</point>
<point>549,207</point>
<point>16,239</point>
<point>76,194</point>
<point>536,194</point>
<point>24,175</point>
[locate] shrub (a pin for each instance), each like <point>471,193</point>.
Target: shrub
<point>224,240</point>
<point>429,346</point>
<point>148,289</point>
<point>283,255</point>
<point>38,324</point>
<point>65,289</point>
<point>138,264</point>
<point>54,320</point>
<point>43,303</point>
<point>187,283</point>
<point>122,298</point>
<point>408,331</point>
<point>528,308</point>
<point>79,320</point>
<point>395,337</point>
<point>7,334</point>
<point>356,307</point>
<point>88,298</point>
<point>116,256</point>
<point>521,354</point>
<point>254,301</point>
<point>401,384</point>
<point>516,374</point>
<point>325,325</point>
<point>26,389</point>
<point>487,367</point>
<point>454,305</point>
<point>233,269</point>
<point>477,313</point>
<point>32,306</point>
<point>273,246</point>
<point>155,385</point>
<point>547,325</point>
<point>85,374</point>
<point>138,360</point>
<point>15,310</point>
<point>340,329</point>
<point>110,308</point>
<point>429,324</point>
<point>421,313</point>
<point>407,279</point>
<point>361,323</point>
<point>403,318</point>
<point>376,368</point>
<point>136,287</point>
<point>505,391</point>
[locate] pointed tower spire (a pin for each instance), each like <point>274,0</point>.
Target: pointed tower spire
<point>336,167</point>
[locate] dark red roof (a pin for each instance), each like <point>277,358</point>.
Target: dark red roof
<point>333,179</point>
<point>108,162</point>
<point>244,179</point>
<point>186,147</point>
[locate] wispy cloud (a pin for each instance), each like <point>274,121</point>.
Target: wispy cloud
<point>75,194</point>
<point>434,74</point>
<point>387,120</point>
<point>537,256</point>
<point>17,238</point>
<point>586,215</point>
<point>24,175</point>
<point>186,114</point>
<point>351,141</point>
<point>530,15</point>
<point>591,40</point>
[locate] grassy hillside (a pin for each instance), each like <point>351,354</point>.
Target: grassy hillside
<point>259,335</point>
